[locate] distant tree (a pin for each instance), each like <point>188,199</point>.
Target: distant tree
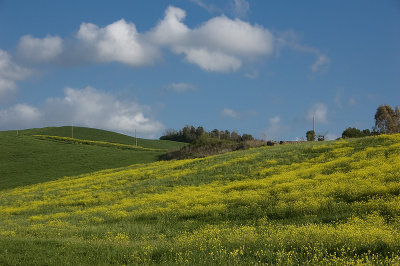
<point>235,136</point>
<point>310,135</point>
<point>186,133</point>
<point>227,134</point>
<point>387,120</point>
<point>247,137</point>
<point>215,133</point>
<point>199,131</point>
<point>366,132</point>
<point>169,133</point>
<point>352,132</point>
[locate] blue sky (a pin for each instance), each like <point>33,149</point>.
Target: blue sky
<point>259,67</point>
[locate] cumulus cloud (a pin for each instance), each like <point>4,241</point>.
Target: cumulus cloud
<point>319,111</point>
<point>19,115</point>
<point>10,73</point>
<point>180,87</point>
<point>212,61</point>
<point>84,107</point>
<point>36,50</point>
<point>220,44</point>
<point>117,42</point>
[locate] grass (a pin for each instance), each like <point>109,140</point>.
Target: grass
<point>314,203</point>
<point>96,143</point>
<point>99,135</point>
<point>25,159</point>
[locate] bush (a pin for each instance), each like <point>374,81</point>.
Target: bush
<point>352,132</point>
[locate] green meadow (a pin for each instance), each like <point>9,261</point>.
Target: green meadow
<point>26,159</point>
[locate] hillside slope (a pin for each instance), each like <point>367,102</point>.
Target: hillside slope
<point>99,135</point>
<point>313,203</point>
<point>28,160</point>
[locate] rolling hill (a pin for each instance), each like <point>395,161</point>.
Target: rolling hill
<point>27,159</point>
<point>317,203</point>
<point>99,135</point>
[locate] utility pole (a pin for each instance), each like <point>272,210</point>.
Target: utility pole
<point>313,123</point>
<point>72,131</point>
<point>135,138</point>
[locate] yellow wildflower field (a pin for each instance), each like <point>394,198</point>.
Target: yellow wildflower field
<point>314,203</point>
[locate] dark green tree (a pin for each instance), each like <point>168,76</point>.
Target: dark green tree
<point>247,137</point>
<point>235,136</point>
<point>352,132</point>
<point>310,135</point>
<point>199,131</point>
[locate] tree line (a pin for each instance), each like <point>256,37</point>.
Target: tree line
<point>387,121</point>
<point>190,134</point>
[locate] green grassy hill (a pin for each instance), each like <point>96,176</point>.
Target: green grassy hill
<point>26,159</point>
<point>313,203</point>
<point>99,135</point>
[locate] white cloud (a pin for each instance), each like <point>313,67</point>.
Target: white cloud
<point>85,107</point>
<point>10,73</point>
<point>180,87</point>
<point>319,111</point>
<point>230,113</point>
<point>220,44</point>
<point>212,61</point>
<point>321,63</point>
<point>38,50</point>
<point>240,8</point>
<point>19,115</point>
<point>117,42</point>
